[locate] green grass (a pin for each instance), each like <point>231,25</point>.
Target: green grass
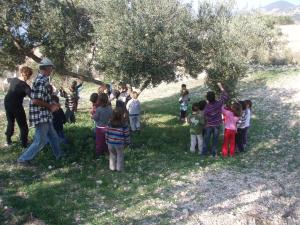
<point>69,192</point>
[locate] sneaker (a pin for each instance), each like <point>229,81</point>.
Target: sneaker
<point>7,145</point>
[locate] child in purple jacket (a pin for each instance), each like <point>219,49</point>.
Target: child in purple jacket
<point>213,118</point>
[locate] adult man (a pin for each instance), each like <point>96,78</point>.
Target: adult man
<point>40,114</point>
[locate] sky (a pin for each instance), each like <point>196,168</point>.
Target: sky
<point>247,4</point>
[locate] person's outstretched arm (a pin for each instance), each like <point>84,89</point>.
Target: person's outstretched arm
<point>224,96</point>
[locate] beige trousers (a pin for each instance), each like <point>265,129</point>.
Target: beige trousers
<point>116,157</point>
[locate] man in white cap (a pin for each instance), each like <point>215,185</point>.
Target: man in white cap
<point>40,114</point>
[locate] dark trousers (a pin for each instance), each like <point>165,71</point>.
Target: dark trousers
<point>241,138</point>
<point>20,116</point>
<point>62,137</point>
<point>70,116</point>
<point>183,114</point>
<point>214,133</point>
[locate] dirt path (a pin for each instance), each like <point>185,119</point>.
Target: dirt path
<point>267,191</point>
<point>264,194</point>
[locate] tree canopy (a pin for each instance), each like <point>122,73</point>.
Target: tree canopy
<point>59,29</point>
<point>141,42</point>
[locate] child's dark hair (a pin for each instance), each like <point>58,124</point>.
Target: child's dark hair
<point>236,109</point>
<point>202,104</point>
<point>211,96</point>
<point>73,85</point>
<point>108,88</point>
<point>248,103</point>
<point>94,97</point>
<point>195,107</point>
<point>103,100</point>
<point>183,86</point>
<point>55,98</point>
<point>117,118</point>
<point>243,104</point>
<point>122,86</point>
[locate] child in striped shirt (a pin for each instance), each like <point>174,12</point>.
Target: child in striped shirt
<point>117,138</point>
<point>247,120</point>
<point>70,103</point>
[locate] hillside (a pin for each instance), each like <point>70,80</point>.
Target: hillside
<point>279,6</point>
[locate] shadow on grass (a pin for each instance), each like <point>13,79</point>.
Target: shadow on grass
<point>81,189</point>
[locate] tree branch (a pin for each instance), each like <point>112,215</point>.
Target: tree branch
<point>62,71</point>
<point>93,56</point>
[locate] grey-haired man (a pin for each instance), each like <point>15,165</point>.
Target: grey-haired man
<point>40,114</point>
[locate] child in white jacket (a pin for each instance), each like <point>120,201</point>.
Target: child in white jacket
<point>134,108</point>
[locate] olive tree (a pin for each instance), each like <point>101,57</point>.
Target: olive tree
<point>60,30</point>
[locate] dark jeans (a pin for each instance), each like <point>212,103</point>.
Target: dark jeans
<point>20,116</point>
<point>62,137</point>
<point>183,114</point>
<point>214,132</point>
<point>245,138</point>
<point>241,138</point>
<point>70,116</point>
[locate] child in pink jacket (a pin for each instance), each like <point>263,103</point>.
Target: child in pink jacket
<point>231,116</point>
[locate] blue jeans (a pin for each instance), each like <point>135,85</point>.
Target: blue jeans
<point>211,131</point>
<point>43,132</point>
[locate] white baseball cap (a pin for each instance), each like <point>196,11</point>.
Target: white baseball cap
<point>46,62</point>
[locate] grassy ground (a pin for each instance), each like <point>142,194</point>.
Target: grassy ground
<point>81,189</point>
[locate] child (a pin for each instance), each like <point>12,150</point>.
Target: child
<point>231,116</point>
<point>77,89</point>
<point>70,103</point>
<point>123,97</point>
<point>196,121</point>
<point>117,138</point>
<point>239,138</point>
<point>247,121</point>
<point>213,120</point>
<point>102,116</point>
<point>183,101</point>
<point>93,100</point>
<point>59,119</point>
<point>134,108</point>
